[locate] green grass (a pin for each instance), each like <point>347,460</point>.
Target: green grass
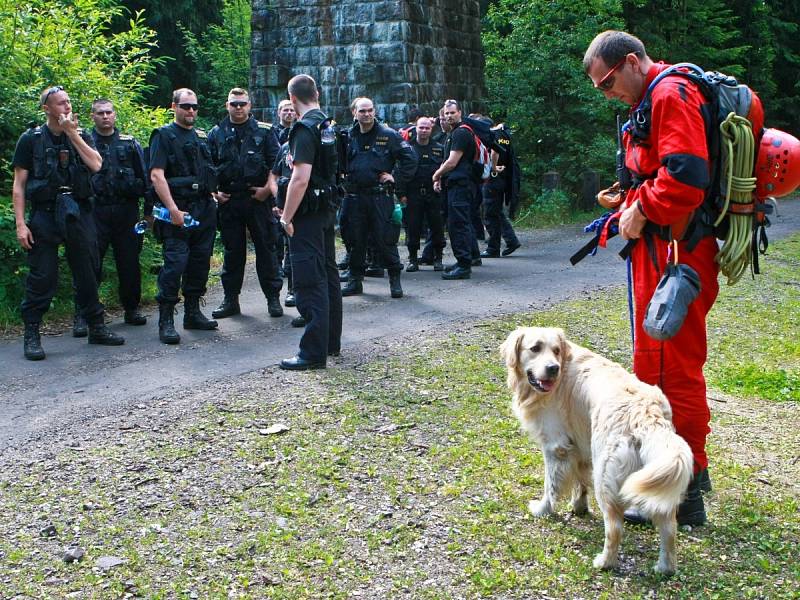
<point>408,477</point>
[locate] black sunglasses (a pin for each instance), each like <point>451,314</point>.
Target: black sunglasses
<point>188,106</point>
<point>53,90</point>
<point>238,103</point>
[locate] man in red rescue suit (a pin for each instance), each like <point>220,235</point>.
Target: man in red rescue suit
<point>671,173</point>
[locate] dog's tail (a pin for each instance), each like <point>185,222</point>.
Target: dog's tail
<point>658,486</point>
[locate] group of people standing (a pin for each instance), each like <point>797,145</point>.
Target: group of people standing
<point>83,189</point>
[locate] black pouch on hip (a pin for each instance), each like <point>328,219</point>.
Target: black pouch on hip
<point>667,310</point>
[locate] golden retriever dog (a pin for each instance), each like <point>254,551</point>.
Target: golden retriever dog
<point>598,425</point>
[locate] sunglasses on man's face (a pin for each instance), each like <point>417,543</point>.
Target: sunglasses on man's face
<point>188,106</point>
<point>238,104</point>
<point>608,80</point>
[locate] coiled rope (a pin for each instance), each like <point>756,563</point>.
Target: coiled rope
<point>738,144</point>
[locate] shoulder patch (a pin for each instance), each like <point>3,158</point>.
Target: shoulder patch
<point>201,133</point>
<point>263,125</point>
<point>125,137</point>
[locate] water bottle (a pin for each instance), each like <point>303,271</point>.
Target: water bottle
<point>162,214</point>
<point>397,214</point>
<point>141,227</point>
<point>328,135</point>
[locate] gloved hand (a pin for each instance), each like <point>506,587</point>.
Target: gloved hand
<point>611,197</point>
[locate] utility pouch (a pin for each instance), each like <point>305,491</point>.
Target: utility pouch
<point>667,310</point>
<point>67,212</point>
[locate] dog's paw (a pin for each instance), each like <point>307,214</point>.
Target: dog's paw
<point>601,561</point>
<point>540,508</point>
<point>664,568</point>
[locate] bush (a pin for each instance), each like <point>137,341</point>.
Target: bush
<point>46,43</point>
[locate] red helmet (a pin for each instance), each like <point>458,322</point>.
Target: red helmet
<point>778,164</point>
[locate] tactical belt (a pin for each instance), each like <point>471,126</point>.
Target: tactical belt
<point>366,189</point>
<point>111,201</point>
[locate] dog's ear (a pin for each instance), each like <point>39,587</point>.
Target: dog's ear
<point>510,349</point>
<point>566,347</point>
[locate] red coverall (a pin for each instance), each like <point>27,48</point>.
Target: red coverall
<point>673,162</point>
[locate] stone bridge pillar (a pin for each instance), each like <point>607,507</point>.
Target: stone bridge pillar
<point>398,52</point>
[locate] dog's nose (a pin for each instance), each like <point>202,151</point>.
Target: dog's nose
<point>552,370</point>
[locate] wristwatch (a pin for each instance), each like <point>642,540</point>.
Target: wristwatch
<point>284,224</point>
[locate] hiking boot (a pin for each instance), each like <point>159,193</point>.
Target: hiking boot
<point>395,289</point>
<point>457,273</point>
<point>32,342</point>
<point>353,288</point>
<point>705,480</point>
<point>290,300</point>
<point>344,276</point>
<point>374,272</point>
<point>477,262</point>
<point>166,324</point>
<point>490,253</point>
<point>274,306</point>
<point>100,334</point>
<point>511,248</point>
<point>80,328</point>
<point>437,262</point>
<point>228,308</point>
<point>134,317</point>
<point>412,266</point>
<point>193,318</point>
<point>299,321</point>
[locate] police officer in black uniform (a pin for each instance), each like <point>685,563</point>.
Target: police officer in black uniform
<point>183,177</point>
<point>118,187</point>
<point>286,116</point>
<point>308,218</point>
<point>460,183</point>
<point>502,188</point>
<point>53,164</point>
<point>244,150</point>
<point>374,152</point>
<point>422,203</point>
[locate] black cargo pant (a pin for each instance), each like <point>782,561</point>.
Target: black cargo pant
<point>80,245</point>
<point>371,215</point>
<point>316,284</point>
<point>113,225</point>
<point>424,206</point>
<point>186,253</point>
<point>497,223</point>
<point>460,202</point>
<point>236,217</point>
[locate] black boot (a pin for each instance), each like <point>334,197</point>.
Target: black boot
<point>100,334</point>
<point>32,342</point>
<point>395,289</point>
<point>274,306</point>
<point>437,261</point>
<point>705,480</point>
<point>290,299</point>
<point>166,324</point>
<point>228,308</point>
<point>413,263</point>
<point>134,317</point>
<point>193,318</point>
<point>691,511</point>
<point>353,288</point>
<point>79,327</point>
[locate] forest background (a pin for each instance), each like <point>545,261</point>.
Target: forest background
<point>137,52</point>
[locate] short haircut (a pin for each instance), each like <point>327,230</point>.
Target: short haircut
<point>304,88</point>
<point>356,101</point>
<point>237,91</point>
<point>97,101</point>
<point>452,103</point>
<point>611,47</point>
<point>176,95</point>
<point>424,118</point>
<point>47,92</point>
<point>283,103</point>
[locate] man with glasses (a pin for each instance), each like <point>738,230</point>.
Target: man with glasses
<point>670,168</point>
<point>183,178</point>
<point>118,187</point>
<point>243,151</point>
<point>53,164</point>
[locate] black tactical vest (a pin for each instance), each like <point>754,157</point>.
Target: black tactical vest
<point>240,159</point>
<point>122,175</point>
<point>190,172</point>
<point>321,192</point>
<point>56,167</point>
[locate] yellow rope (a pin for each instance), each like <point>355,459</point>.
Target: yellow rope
<point>738,144</point>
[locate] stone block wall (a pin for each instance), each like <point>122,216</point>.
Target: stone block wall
<point>398,52</point>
